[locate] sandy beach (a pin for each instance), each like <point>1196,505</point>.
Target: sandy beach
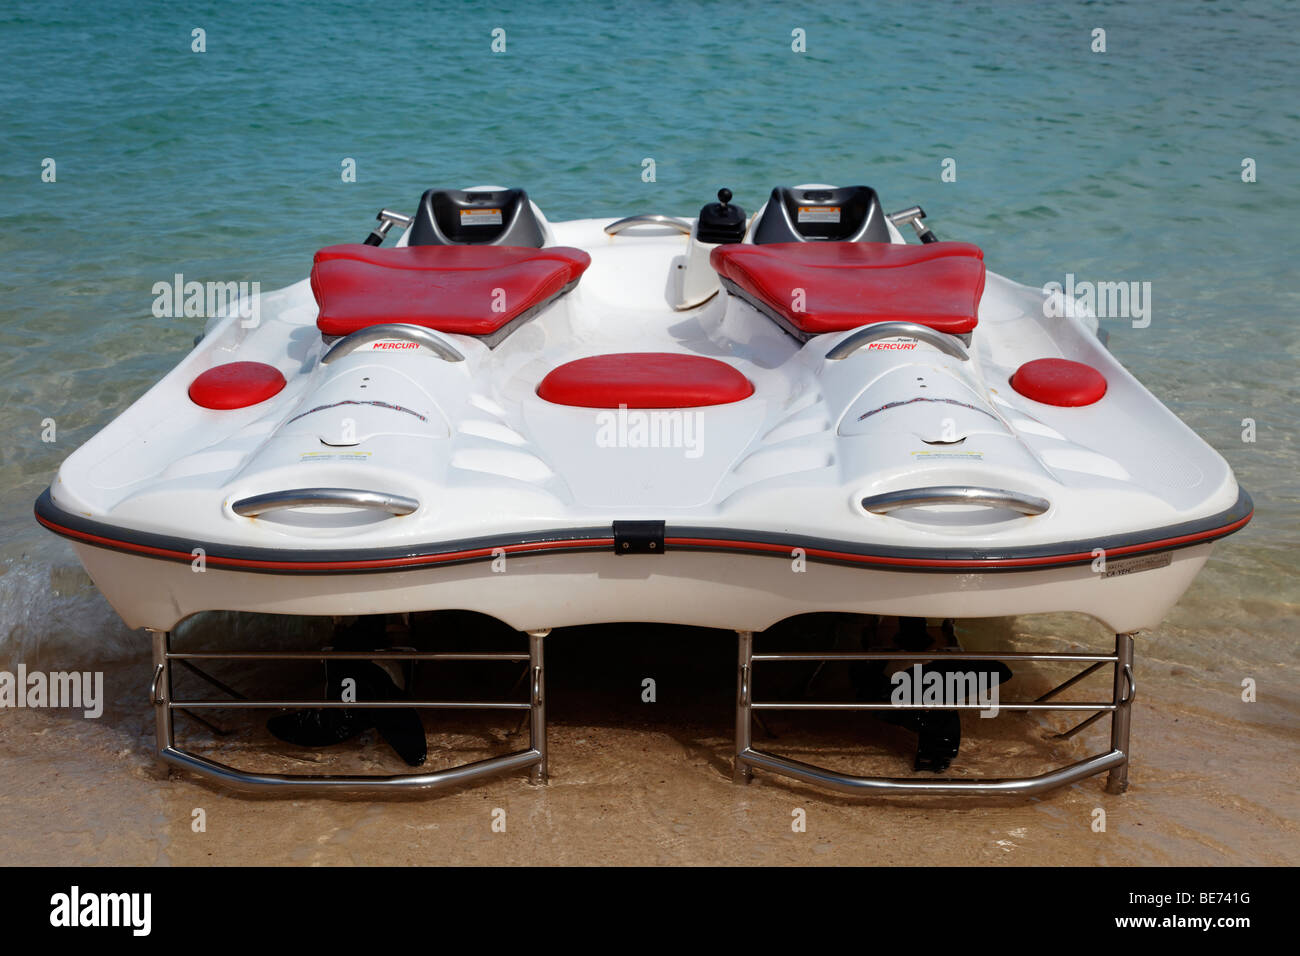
<point>637,783</point>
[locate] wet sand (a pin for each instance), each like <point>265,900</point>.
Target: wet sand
<point>1212,780</point>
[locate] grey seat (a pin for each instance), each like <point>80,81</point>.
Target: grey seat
<point>843,214</point>
<point>494,217</point>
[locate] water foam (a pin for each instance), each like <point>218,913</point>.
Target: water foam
<point>51,615</point>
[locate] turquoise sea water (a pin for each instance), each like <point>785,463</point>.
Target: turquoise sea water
<point>225,165</point>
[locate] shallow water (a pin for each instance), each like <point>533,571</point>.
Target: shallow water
<point>639,783</point>
<point>1123,166</point>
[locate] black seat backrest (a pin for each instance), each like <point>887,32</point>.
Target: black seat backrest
<point>822,214</point>
<point>495,217</point>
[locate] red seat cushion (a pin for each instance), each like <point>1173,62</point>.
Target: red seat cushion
<point>445,288</point>
<point>850,284</point>
<point>236,385</point>
<point>1056,381</point>
<point>644,380</point>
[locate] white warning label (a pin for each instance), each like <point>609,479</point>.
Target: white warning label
<point>482,217</point>
<point>819,214</point>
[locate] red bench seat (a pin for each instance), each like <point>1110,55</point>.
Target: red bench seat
<point>815,287</point>
<point>466,290</point>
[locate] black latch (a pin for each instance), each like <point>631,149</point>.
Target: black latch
<point>638,537</point>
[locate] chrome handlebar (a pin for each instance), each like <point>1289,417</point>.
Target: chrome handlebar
<point>394,218</point>
<point>387,220</point>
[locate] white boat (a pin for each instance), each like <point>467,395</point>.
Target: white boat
<point>724,422</point>
<point>429,410</point>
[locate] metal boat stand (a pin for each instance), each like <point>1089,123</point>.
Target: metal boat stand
<point>1114,762</point>
<point>165,706</point>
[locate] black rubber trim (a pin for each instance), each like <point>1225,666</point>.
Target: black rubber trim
<point>1129,544</point>
<point>601,538</point>
<point>131,541</point>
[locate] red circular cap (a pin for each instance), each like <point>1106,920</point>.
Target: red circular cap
<point>236,385</point>
<point>1055,381</point>
<point>644,380</point>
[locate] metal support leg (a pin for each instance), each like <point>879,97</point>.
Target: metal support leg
<point>164,702</point>
<point>1121,717</point>
<point>160,690</point>
<point>537,699</point>
<point>1113,761</point>
<point>742,772</point>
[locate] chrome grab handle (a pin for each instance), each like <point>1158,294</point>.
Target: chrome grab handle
<point>905,216</point>
<point>945,343</point>
<point>394,218</point>
<point>649,219</point>
<point>955,495</point>
<point>914,215</point>
<point>304,497</point>
<point>396,330</point>
<point>387,220</point>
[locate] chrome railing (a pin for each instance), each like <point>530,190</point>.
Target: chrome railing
<point>166,704</point>
<point>649,219</point>
<point>1114,761</point>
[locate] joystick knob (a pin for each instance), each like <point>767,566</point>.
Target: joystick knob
<point>720,221</point>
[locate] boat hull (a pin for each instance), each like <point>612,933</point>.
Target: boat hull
<point>697,588</point>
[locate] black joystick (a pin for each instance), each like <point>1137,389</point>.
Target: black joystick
<point>721,222</point>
